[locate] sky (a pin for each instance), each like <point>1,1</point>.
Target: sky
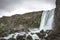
<point>12,7</point>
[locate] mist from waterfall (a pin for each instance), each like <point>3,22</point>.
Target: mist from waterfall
<point>47,20</point>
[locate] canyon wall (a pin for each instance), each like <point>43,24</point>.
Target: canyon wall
<point>57,17</point>
<point>55,35</point>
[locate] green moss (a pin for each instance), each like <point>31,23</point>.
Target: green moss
<point>1,25</point>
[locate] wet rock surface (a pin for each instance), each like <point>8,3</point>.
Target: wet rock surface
<point>41,35</point>
<point>21,37</point>
<point>29,37</point>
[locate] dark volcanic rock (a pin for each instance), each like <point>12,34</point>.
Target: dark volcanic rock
<point>57,17</point>
<point>29,37</point>
<point>41,34</point>
<point>11,39</point>
<point>21,37</point>
<point>55,35</point>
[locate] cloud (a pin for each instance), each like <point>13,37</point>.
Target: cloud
<point>11,7</point>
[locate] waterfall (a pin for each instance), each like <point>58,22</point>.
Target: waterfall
<point>47,20</point>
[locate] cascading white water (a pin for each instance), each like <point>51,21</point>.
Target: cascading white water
<point>13,35</point>
<point>35,37</point>
<point>46,24</point>
<point>47,20</point>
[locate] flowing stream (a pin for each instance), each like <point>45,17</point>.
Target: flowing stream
<point>47,21</point>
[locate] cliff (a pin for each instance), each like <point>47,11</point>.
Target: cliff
<point>19,22</point>
<point>55,35</point>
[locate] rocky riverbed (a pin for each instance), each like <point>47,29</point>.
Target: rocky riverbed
<point>42,35</point>
<point>12,25</point>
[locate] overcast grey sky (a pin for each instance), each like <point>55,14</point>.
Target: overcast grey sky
<point>11,7</point>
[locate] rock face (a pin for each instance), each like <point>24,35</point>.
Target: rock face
<point>21,38</point>
<point>55,35</point>
<point>29,37</point>
<point>57,20</point>
<point>57,16</point>
<point>19,22</point>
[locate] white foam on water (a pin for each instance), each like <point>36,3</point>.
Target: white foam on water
<point>9,36</point>
<point>34,30</point>
<point>14,35</point>
<point>35,37</point>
